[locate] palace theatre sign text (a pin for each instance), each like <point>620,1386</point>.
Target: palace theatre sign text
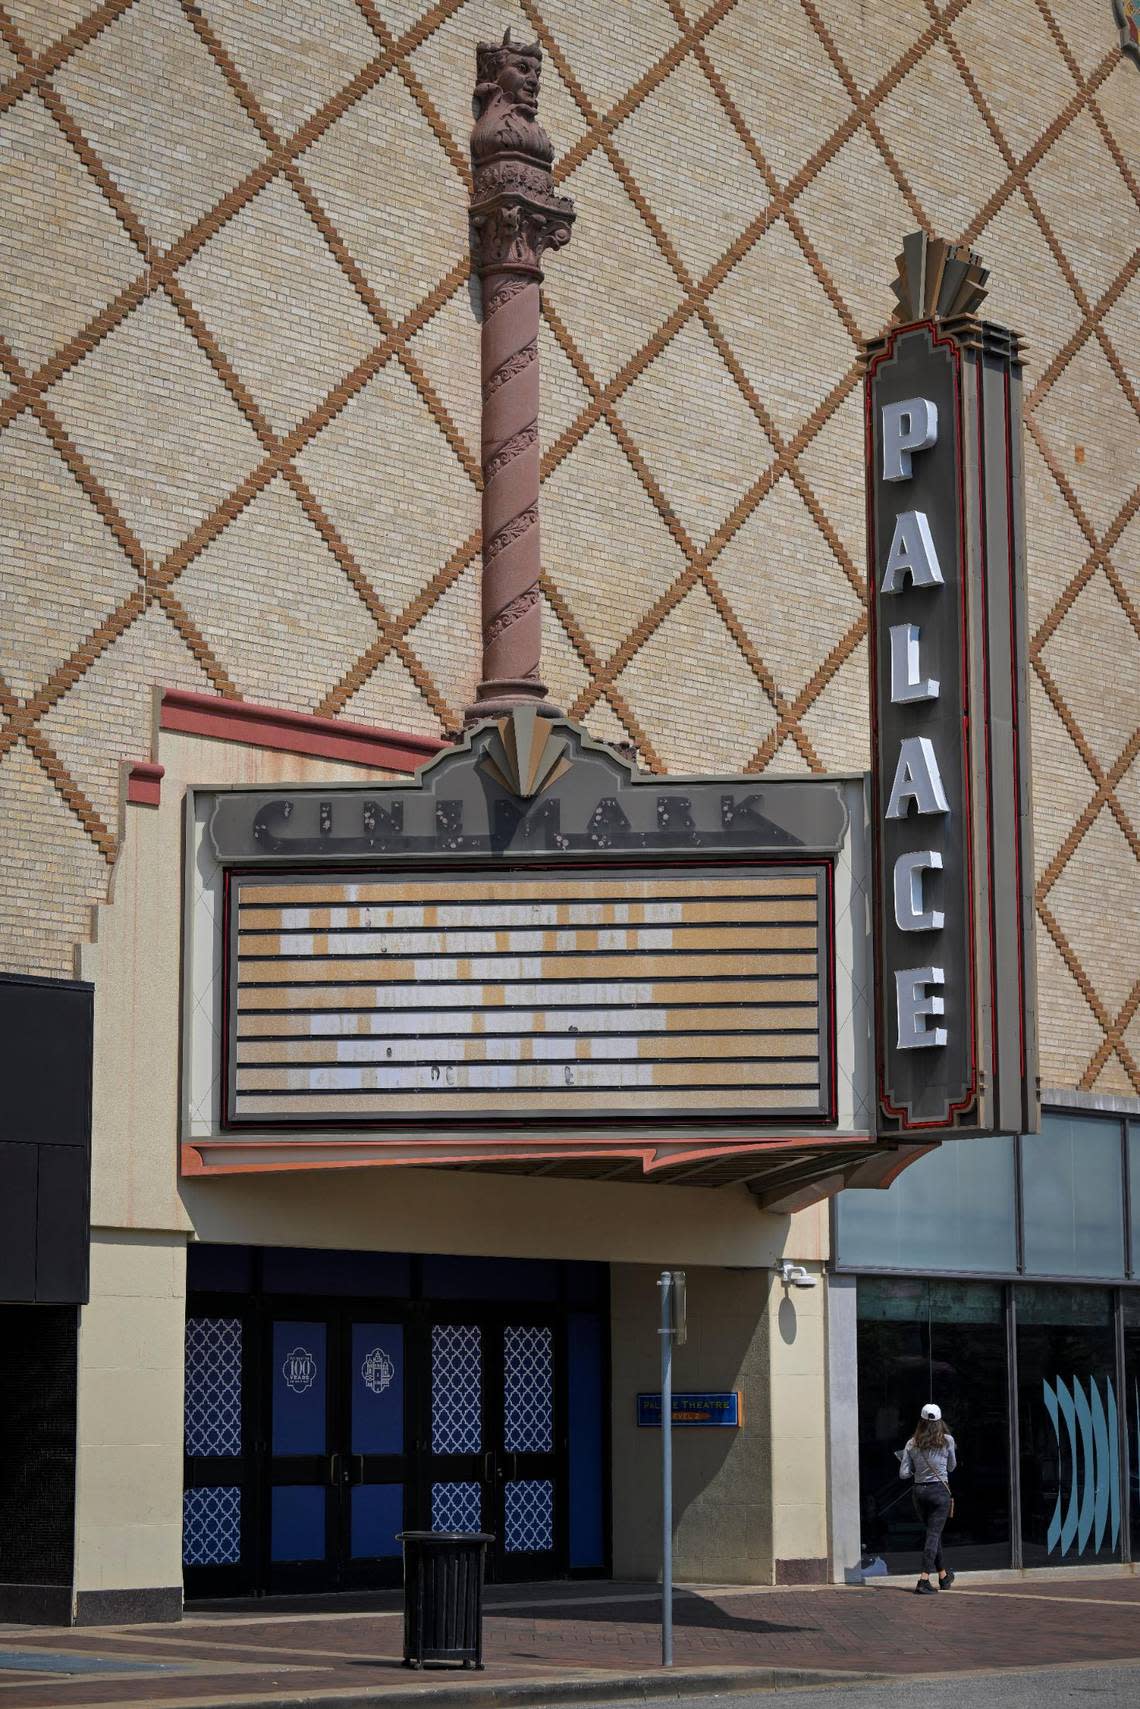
<point>953,921</point>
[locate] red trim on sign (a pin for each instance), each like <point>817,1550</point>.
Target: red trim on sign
<point>294,732</point>
<point>144,783</point>
<point>1015,723</point>
<point>984,564</point>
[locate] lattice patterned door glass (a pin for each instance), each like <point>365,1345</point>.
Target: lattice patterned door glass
<point>456,1388</point>
<point>528,1527</point>
<point>528,1389</point>
<point>456,1507</point>
<point>211,1527</point>
<point>213,1386</point>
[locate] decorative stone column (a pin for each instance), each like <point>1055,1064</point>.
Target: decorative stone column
<point>515,218</point>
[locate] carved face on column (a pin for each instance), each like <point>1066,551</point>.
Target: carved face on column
<point>506,102</point>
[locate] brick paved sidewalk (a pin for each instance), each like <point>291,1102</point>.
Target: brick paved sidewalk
<point>581,1641</point>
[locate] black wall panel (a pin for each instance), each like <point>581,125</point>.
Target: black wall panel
<point>37,1444</point>
<point>45,1138</point>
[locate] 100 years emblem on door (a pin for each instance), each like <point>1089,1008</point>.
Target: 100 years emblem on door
<point>299,1370</point>
<point>377,1370</point>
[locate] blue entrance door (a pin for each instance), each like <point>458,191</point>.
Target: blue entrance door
<point>337,1462</point>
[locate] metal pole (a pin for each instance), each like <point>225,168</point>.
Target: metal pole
<point>665,1283</point>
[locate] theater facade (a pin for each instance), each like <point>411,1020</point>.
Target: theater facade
<point>548,735</point>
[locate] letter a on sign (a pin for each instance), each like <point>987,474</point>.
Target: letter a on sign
<point>912,554</point>
<point>917,779</point>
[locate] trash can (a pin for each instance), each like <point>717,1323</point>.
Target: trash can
<point>443,1596</point>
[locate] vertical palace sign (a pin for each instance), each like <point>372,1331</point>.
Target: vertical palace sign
<point>955,994</point>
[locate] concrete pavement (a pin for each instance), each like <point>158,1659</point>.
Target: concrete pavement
<point>589,1643</point>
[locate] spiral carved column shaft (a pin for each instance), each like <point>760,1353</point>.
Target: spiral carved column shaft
<point>515,218</point>
<point>512,624</point>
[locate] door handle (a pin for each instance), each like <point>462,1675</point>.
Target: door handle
<point>332,1471</point>
<point>489,1466</point>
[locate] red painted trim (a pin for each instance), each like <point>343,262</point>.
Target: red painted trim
<point>144,783</point>
<point>970,1098</point>
<point>393,1153</point>
<point>294,732</point>
<point>1015,722</point>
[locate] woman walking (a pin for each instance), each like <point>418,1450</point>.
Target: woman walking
<point>929,1458</point>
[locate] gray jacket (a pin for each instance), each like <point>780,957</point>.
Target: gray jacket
<point>928,1465</point>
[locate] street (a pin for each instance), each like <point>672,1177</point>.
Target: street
<point>1037,1688</point>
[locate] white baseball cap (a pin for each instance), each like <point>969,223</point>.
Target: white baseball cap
<point>931,1412</point>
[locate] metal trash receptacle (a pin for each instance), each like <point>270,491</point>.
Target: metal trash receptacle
<point>443,1596</point>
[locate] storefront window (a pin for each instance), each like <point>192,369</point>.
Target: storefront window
<point>1130,1400</point>
<point>942,1341</point>
<point>953,1210</point>
<point>1073,1197</point>
<point>1134,1178</point>
<point>1069,1426</point>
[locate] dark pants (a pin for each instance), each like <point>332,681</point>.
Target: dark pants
<point>932,1503</point>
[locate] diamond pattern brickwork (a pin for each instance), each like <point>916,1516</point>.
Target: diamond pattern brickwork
<point>239,407</point>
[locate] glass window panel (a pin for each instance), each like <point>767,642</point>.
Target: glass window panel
<point>377,1517</point>
<point>1130,1408</point>
<point>211,1527</point>
<point>297,1523</point>
<point>1072,1190</point>
<point>456,1506</point>
<point>528,1516</point>
<point>456,1389</point>
<point>377,1378</point>
<point>908,1354</point>
<point>299,1388</point>
<point>1134,1194</point>
<point>1069,1427</point>
<point>528,1389</point>
<point>953,1210</point>
<point>213,1386</point>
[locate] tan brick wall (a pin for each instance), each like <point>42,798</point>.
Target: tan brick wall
<point>239,410</point>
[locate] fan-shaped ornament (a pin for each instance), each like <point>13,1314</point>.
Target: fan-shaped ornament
<point>937,280</point>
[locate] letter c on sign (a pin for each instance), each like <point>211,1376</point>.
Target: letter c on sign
<point>910,915</point>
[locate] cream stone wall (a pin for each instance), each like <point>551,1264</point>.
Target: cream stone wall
<point>128,1501</point>
<point>239,397</point>
<point>750,1505</point>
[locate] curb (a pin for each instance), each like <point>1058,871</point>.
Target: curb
<point>540,1693</point>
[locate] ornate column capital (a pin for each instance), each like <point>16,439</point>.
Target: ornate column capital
<point>515,214</point>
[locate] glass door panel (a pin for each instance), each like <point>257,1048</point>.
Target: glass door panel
<point>1130,1400</point>
<point>1070,1426</point>
<point>215,1505</point>
<point>373,1470</point>
<point>527,1535</point>
<point>941,1341</point>
<point>301,1547</point>
<point>460,1464</point>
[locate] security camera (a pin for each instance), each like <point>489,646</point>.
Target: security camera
<point>794,1275</point>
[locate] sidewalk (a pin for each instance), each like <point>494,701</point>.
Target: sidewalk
<point>575,1643</point>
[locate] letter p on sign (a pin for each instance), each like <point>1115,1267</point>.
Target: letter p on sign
<point>908,426</point>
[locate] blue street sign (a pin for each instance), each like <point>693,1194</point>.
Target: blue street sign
<point>716,1410</point>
